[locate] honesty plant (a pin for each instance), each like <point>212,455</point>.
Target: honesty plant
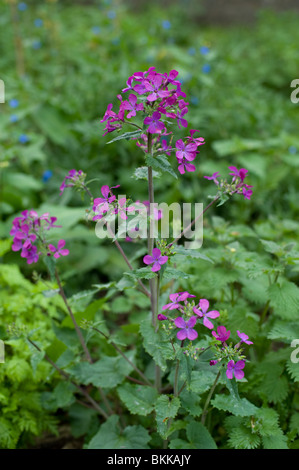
<point>155,107</point>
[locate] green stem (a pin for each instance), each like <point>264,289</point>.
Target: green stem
<point>205,410</point>
<point>176,379</point>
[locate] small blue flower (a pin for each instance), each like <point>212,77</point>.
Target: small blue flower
<point>166,24</point>
<point>204,50</point>
<point>13,118</point>
<point>23,139</point>
<point>191,51</point>
<point>206,68</point>
<point>292,149</point>
<point>36,44</point>
<point>47,174</point>
<point>38,23</point>
<point>22,6</point>
<point>115,41</point>
<point>194,100</point>
<point>111,14</point>
<point>96,29</point>
<point>14,103</point>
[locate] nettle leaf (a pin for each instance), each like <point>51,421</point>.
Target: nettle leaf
<point>293,370</point>
<point>273,385</point>
<point>199,437</point>
<point>156,344</point>
<point>284,299</point>
<point>242,437</point>
<point>284,331</point>
<point>109,436</point>
<point>161,163</point>
<point>108,372</point>
<point>166,407</point>
<point>240,407</point>
<point>141,173</point>
<point>126,135</point>
<point>139,399</point>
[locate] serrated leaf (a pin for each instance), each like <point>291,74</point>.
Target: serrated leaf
<point>284,299</point>
<point>184,252</point>
<point>141,173</point>
<point>172,273</point>
<point>156,344</point>
<point>126,135</point>
<point>142,273</point>
<point>240,407</point>
<point>166,407</point>
<point>161,163</point>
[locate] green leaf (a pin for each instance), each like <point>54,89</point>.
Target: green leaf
<point>108,372</point>
<point>139,399</point>
<point>272,247</point>
<point>142,273</point>
<point>141,173</point>
<point>161,163</point>
<point>51,266</point>
<point>109,436</point>
<point>172,273</point>
<point>82,419</point>
<point>284,299</point>
<point>237,407</point>
<point>156,343</point>
<point>166,407</point>
<point>183,252</point>
<point>199,436</point>
<point>126,135</point>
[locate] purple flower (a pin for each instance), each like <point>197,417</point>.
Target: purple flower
<point>153,86</point>
<point>222,335</point>
<point>101,204</point>
<point>175,298</point>
<point>132,106</point>
<point>186,328</point>
<point>238,173</point>
<point>204,305</point>
<point>122,209</point>
<point>156,259</point>
<point>246,191</point>
<point>31,254</point>
<point>244,338</point>
<point>70,179</point>
<point>185,151</point>
<point>235,369</point>
<point>213,177</point>
<point>180,119</point>
<point>155,126</point>
<point>162,317</point>
<point>185,166</point>
<point>59,251</point>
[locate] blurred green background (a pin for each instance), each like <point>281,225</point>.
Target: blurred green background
<point>63,62</point>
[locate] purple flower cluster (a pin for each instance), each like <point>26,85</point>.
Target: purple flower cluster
<point>186,323</point>
<point>30,228</point>
<point>102,206</point>
<point>156,259</point>
<point>237,184</point>
<point>73,178</point>
<point>161,100</point>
